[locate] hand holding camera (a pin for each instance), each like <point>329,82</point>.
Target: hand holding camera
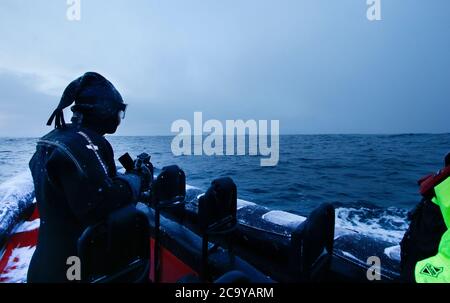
<point>141,167</point>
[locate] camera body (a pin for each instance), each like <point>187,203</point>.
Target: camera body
<point>141,166</point>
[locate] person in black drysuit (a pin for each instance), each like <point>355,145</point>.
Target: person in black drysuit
<point>74,174</point>
<point>423,236</point>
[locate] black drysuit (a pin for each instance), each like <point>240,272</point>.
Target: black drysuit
<point>76,185</point>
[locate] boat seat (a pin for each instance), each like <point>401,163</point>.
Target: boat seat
<point>169,188</point>
<point>217,210</point>
<point>186,246</point>
<point>312,244</point>
<point>116,249</point>
<point>168,191</point>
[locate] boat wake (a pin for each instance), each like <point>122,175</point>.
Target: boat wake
<point>16,195</point>
<point>387,224</point>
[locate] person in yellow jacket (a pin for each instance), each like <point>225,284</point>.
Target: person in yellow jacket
<point>436,269</point>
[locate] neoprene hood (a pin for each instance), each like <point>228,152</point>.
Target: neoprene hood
<point>97,104</point>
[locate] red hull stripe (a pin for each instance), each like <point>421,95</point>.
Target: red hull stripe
<point>172,268</point>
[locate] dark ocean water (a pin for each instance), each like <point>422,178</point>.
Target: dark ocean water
<point>371,179</point>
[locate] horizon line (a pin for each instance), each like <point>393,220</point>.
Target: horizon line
<point>285,134</point>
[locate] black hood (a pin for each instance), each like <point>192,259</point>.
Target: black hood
<point>97,103</point>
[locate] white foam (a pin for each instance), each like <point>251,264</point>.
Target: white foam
<point>339,232</point>
<point>27,226</point>
<point>283,218</point>
<point>244,203</point>
<point>15,195</point>
<point>353,219</point>
<point>190,187</point>
<point>349,255</point>
<point>18,187</point>
<point>17,267</point>
<point>393,252</point>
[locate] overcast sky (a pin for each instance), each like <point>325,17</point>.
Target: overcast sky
<point>318,66</point>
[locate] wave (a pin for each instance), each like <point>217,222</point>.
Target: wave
<point>385,224</point>
<point>16,195</point>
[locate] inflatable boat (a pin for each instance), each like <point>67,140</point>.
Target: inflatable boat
<point>186,235</point>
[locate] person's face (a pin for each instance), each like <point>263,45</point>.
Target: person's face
<point>112,123</point>
<point>120,116</point>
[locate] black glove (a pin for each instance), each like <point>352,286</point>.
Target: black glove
<point>139,174</point>
<point>144,168</point>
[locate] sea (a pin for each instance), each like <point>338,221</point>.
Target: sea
<point>370,179</point>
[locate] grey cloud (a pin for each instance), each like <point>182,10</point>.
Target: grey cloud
<point>318,66</point>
